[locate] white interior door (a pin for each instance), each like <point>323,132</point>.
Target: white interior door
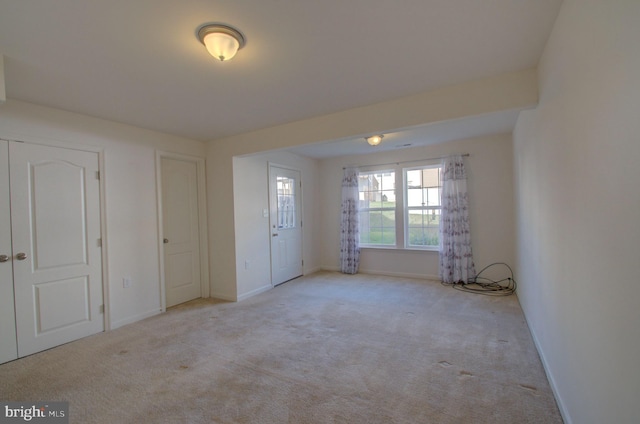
<point>285,192</point>
<point>181,231</point>
<point>57,263</point>
<point>8,343</point>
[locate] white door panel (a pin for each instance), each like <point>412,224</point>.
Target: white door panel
<point>181,231</point>
<point>8,344</point>
<point>55,210</point>
<point>285,192</point>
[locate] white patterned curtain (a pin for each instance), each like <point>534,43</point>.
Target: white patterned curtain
<point>349,232</point>
<point>456,259</point>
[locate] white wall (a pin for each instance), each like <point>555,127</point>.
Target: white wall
<point>131,213</point>
<point>578,204</point>
<point>252,233</point>
<point>490,182</point>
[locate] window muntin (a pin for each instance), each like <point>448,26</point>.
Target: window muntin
<point>377,208</point>
<point>423,189</point>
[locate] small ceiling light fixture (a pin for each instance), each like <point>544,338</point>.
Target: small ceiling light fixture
<point>374,140</point>
<point>222,41</point>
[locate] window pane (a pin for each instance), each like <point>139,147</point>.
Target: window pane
<point>433,217</point>
<point>433,196</point>
<point>416,218</point>
<point>377,207</point>
<point>414,197</point>
<point>375,219</point>
<point>286,202</point>
<point>414,178</point>
<point>422,217</point>
<point>431,177</point>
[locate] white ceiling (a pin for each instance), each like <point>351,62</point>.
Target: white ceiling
<point>139,62</point>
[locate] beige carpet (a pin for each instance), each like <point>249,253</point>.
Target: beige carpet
<point>326,348</point>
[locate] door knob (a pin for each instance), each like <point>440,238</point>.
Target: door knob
<point>21,256</point>
<point>165,241</point>
<point>4,258</point>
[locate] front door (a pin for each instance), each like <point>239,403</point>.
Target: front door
<point>57,260</point>
<point>181,234</point>
<point>285,192</point>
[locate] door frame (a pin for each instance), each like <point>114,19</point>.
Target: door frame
<point>290,168</point>
<point>205,287</point>
<point>103,206</point>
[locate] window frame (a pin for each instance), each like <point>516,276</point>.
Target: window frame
<point>394,209</point>
<point>401,209</point>
<point>406,208</point>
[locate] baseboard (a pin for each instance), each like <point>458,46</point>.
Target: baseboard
<point>400,274</point>
<point>387,273</point>
<point>329,268</point>
<point>135,318</point>
<point>554,388</point>
<point>222,296</point>
<point>312,270</point>
<point>254,292</point>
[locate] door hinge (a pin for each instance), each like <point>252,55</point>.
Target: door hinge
<point>97,175</point>
<point>99,242</point>
<point>303,262</point>
<point>102,309</point>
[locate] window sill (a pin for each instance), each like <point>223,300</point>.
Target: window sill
<point>405,249</point>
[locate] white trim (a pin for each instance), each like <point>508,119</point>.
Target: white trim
<point>552,382</point>
<point>222,296</point>
<point>135,318</point>
<point>50,142</point>
<point>401,208</point>
<point>314,270</point>
<point>205,287</point>
<point>106,299</point>
<point>254,292</point>
<point>400,249</point>
<point>406,207</point>
<point>387,273</point>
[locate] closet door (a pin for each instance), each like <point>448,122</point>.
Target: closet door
<point>55,215</point>
<point>8,346</point>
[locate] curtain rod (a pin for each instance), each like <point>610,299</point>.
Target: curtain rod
<point>404,161</point>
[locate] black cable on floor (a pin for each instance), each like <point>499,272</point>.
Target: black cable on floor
<point>481,285</point>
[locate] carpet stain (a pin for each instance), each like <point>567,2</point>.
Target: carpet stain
<point>466,373</point>
<point>123,352</point>
<point>527,387</point>
<point>184,367</point>
<point>503,341</point>
<point>444,364</point>
<point>410,313</point>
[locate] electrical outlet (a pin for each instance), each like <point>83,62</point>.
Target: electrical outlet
<point>126,282</point>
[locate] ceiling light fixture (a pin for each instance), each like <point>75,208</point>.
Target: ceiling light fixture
<point>222,41</point>
<point>374,140</point>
